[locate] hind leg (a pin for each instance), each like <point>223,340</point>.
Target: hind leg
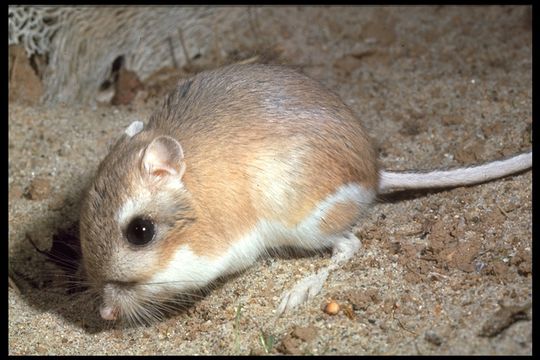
<point>344,248</point>
<point>331,222</point>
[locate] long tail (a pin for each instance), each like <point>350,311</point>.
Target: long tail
<point>391,181</point>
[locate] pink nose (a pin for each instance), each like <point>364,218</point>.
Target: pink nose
<point>108,312</point>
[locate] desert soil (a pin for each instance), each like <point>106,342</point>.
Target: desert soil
<point>439,272</point>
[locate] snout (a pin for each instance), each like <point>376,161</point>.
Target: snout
<point>112,298</point>
<point>108,312</point>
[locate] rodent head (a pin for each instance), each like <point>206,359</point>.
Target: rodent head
<point>136,199</point>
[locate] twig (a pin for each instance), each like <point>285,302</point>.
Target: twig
<point>237,328</point>
<point>13,285</point>
<point>248,61</point>
<point>502,211</point>
<point>433,273</point>
<point>171,48</point>
<point>186,54</point>
<point>404,328</point>
<point>417,349</point>
<point>253,23</point>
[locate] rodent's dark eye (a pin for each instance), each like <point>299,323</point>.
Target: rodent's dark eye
<point>140,231</point>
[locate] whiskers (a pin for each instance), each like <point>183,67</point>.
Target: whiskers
<point>145,307</point>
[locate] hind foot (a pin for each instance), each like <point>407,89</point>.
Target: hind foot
<point>306,289</point>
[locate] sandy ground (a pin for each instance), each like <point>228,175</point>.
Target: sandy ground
<point>445,272</point>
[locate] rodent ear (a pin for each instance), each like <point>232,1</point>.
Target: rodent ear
<point>164,156</point>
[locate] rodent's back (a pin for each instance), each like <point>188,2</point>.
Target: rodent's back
<point>247,107</point>
<point>254,100</point>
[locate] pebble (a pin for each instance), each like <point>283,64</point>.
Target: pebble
<point>57,203</point>
<point>433,338</point>
<point>39,189</point>
<point>15,192</point>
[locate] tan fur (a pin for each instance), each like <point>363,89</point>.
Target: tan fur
<point>223,214</point>
<point>224,157</point>
<point>339,218</point>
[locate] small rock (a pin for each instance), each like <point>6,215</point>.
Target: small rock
<point>433,337</point>
<point>492,130</point>
<point>127,86</point>
<point>39,189</point>
<point>15,192</point>
<point>24,84</point>
<point>451,120</point>
<point>347,64</point>
<point>469,154</point>
<point>411,127</point>
<point>499,268</point>
<point>290,345</point>
<point>503,318</point>
<point>525,268</point>
<point>305,333</point>
<point>57,203</point>
<point>389,304</point>
<point>40,349</point>
<point>359,300</point>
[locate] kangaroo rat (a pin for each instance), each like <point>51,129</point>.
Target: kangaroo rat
<point>236,161</point>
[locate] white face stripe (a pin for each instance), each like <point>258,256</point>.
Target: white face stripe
<point>186,269</point>
<point>139,202</point>
<point>133,206</point>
